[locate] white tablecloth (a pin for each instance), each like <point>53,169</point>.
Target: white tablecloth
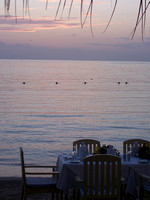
<point>134,167</point>
<point>68,170</point>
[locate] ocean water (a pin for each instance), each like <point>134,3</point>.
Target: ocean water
<point>62,101</point>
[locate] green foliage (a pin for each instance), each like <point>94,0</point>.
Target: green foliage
<point>103,150</point>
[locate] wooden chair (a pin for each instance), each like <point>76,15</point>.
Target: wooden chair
<point>33,183</point>
<point>128,144</point>
<point>102,178</point>
<point>144,187</point>
<point>91,144</point>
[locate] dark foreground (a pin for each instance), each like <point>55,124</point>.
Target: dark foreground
<point>10,189</point>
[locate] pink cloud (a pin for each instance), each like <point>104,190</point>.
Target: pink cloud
<point>13,29</point>
<point>19,24</point>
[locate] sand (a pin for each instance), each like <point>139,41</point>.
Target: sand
<point>10,189</point>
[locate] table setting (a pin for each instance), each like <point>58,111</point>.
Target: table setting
<point>71,165</point>
<point>76,156</point>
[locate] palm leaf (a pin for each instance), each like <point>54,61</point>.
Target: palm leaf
<point>111,16</point>
<point>141,16</point>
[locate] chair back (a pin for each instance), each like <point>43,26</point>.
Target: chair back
<point>91,144</point>
<point>128,144</point>
<point>102,176</point>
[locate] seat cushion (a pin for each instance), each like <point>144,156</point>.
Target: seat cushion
<point>41,181</point>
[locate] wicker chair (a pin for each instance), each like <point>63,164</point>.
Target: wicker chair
<point>33,183</point>
<point>91,144</point>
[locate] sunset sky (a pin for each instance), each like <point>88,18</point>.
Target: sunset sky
<point>44,37</point>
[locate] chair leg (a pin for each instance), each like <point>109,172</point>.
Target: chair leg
<point>24,197</point>
<point>140,195</point>
<point>61,195</point>
<point>74,194</point>
<point>57,196</point>
<point>66,197</point>
<point>52,195</point>
<point>22,193</point>
<point>78,195</point>
<point>123,192</point>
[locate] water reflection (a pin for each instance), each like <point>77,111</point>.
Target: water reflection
<point>45,118</point>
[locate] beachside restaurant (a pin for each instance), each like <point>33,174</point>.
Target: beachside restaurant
<point>93,171</point>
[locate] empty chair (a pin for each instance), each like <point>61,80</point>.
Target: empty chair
<point>91,144</point>
<point>102,178</point>
<point>144,189</point>
<point>128,144</point>
<point>33,183</point>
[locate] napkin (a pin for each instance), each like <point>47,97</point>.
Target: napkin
<point>135,149</point>
<point>83,151</point>
<point>111,150</point>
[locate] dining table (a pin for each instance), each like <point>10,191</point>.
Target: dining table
<point>69,168</point>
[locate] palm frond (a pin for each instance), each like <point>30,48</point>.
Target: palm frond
<point>70,8</point>
<point>141,16</point>
<point>7,5</point>
<point>89,11</point>
<point>81,11</point>
<point>64,5</point>
<point>46,4</point>
<point>58,9</point>
<point>112,14</point>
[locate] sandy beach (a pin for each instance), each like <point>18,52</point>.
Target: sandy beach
<point>10,189</point>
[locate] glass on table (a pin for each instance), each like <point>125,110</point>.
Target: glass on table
<point>124,157</point>
<point>129,155</point>
<point>74,150</point>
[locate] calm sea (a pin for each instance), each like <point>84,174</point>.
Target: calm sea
<point>46,105</point>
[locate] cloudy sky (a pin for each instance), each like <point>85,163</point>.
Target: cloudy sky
<point>38,33</point>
